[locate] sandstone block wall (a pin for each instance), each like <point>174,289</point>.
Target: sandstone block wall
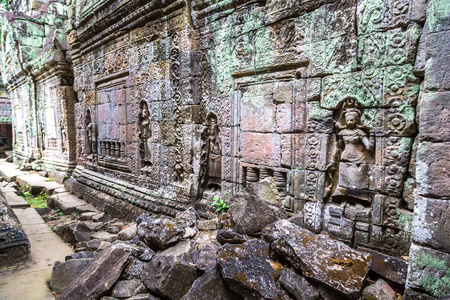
<point>39,78</point>
<point>343,103</point>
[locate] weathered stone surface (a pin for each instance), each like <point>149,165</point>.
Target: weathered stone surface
<point>207,224</point>
<point>101,217</point>
<point>246,269</point>
<point>205,257</point>
<point>127,288</point>
<point>392,268</point>
<point>82,254</point>
<point>379,290</point>
<point>139,251</point>
<point>211,286</point>
<point>433,116</point>
<point>160,233</point>
<point>250,213</point>
<point>74,232</point>
<point>429,271</point>
<point>66,202</point>
<point>183,246</point>
<point>15,245</point>
<point>144,297</point>
<point>230,237</point>
<point>168,276</point>
<point>128,232</point>
<point>64,273</point>
<point>98,276</point>
<point>190,216</point>
<point>133,269</point>
<point>297,286</point>
<point>104,236</point>
<point>432,172</point>
<point>431,224</point>
<point>319,257</point>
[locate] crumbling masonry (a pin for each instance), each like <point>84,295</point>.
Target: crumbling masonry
<point>162,105</point>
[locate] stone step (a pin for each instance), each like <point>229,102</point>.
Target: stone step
<point>9,171</point>
<point>14,200</point>
<point>36,184</point>
<point>67,202</point>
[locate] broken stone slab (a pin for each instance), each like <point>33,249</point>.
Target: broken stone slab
<point>230,237</point>
<point>160,233</point>
<point>86,216</point>
<point>168,276</point>
<point>35,184</point>
<point>127,288</point>
<point>66,202</point>
<point>189,216</point>
<point>101,217</point>
<point>15,201</point>
<point>115,227</point>
<point>142,253</point>
<point>104,236</point>
<point>182,247</point>
<point>14,243</point>
<point>74,232</point>
<point>379,290</point>
<point>250,213</point>
<point>246,269</point>
<point>98,276</point>
<point>205,257</point>
<point>144,297</point>
<point>298,286</point>
<point>87,208</point>
<point>190,232</point>
<point>320,257</point>
<point>211,286</point>
<point>133,269</point>
<point>392,268</point>
<point>10,172</point>
<point>207,224</point>
<point>82,254</point>
<point>64,273</point>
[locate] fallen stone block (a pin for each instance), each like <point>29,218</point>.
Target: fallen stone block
<point>127,288</point>
<point>230,237</point>
<point>205,257</point>
<point>14,243</point>
<point>246,269</point>
<point>320,257</point>
<point>160,233</point>
<point>207,225</point>
<point>250,213</point>
<point>298,286</point>
<point>379,290</point>
<point>98,276</point>
<point>74,232</point>
<point>211,286</point>
<point>168,276</point>
<point>189,216</point>
<point>64,273</point>
<point>392,268</point>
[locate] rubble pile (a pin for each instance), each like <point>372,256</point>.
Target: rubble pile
<point>160,257</point>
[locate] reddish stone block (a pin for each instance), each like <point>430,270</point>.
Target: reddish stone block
<point>260,148</point>
<point>257,114</point>
<point>284,117</point>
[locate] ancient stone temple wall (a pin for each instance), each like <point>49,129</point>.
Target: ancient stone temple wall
<point>343,103</point>
<point>38,76</point>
